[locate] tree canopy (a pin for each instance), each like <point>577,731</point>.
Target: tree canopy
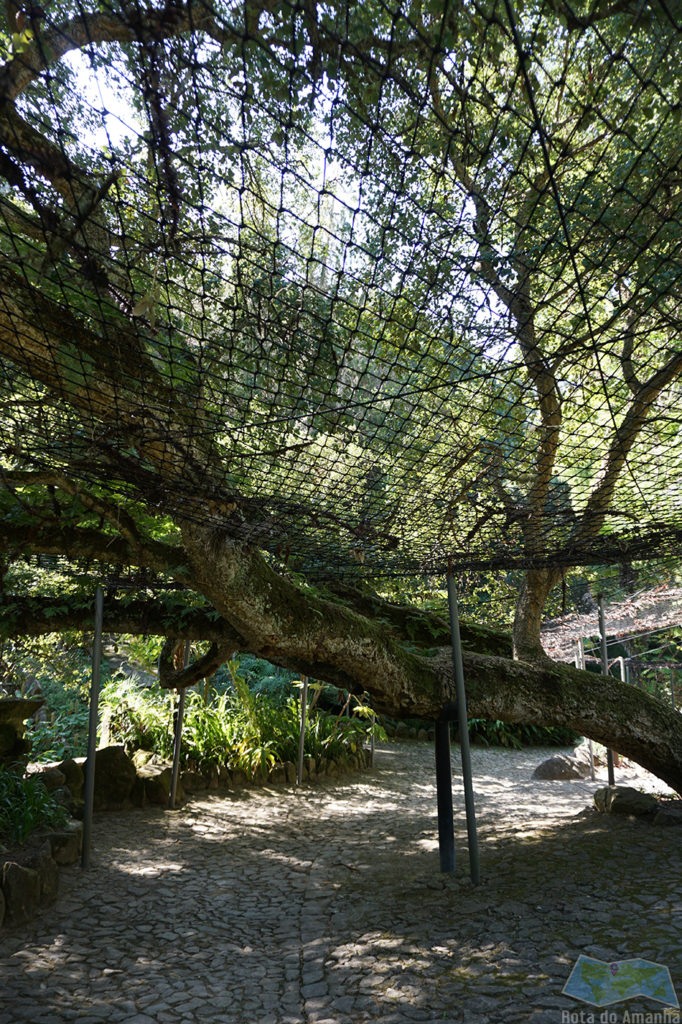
<point>296,299</point>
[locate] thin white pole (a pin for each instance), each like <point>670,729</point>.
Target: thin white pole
<point>580,663</point>
<point>301,734</point>
<point>605,672</point>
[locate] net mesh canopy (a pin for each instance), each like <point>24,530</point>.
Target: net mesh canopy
<point>379,288</point>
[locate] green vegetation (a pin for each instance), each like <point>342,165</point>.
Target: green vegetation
<point>505,734</point>
<point>59,667</point>
<point>25,806</point>
<point>238,727</point>
<point>244,717</point>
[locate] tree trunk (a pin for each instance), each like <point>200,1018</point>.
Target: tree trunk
<point>530,606</point>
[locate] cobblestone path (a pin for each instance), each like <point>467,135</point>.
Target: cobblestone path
<point>326,905</point>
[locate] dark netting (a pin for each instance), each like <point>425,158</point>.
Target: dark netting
<point>378,288</point>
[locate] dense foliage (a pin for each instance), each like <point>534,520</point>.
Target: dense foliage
<point>26,806</point>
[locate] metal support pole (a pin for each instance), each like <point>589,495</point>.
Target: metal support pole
<point>605,672</point>
<point>580,663</point>
<point>89,790</point>
<point>371,741</point>
<point>446,830</point>
<point>177,738</point>
<point>301,734</point>
<point>472,835</point>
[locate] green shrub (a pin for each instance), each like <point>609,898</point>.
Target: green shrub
<point>241,728</point>
<point>505,734</point>
<point>140,717</point>
<point>26,805</point>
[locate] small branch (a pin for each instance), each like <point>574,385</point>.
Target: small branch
<point>172,678</point>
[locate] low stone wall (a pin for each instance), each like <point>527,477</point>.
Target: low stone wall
<point>29,877</point>
<point>122,781</point>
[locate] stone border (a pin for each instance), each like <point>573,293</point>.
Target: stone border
<point>29,877</point>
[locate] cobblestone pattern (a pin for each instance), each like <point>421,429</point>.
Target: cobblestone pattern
<point>326,905</point>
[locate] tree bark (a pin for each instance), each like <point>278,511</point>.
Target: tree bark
<point>530,605</point>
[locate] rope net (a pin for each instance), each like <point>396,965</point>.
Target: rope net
<point>380,288</point>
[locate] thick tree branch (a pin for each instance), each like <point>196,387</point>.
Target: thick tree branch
<point>157,616</point>
<point>113,513</point>
<point>81,543</point>
<point>308,633</point>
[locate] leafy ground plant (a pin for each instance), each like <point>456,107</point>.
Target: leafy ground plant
<point>240,728</point>
<point>25,805</point>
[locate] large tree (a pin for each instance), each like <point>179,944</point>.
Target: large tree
<point>289,300</point>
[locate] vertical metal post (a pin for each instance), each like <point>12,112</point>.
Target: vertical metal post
<point>89,790</point>
<point>446,830</point>
<point>177,738</point>
<point>371,741</point>
<point>301,734</point>
<point>605,672</point>
<point>580,663</point>
<point>472,835</point>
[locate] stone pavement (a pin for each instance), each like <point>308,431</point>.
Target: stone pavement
<point>325,905</point>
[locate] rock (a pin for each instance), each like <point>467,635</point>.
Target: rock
<point>561,767</point>
<point>141,757</point>
<point>114,779</point>
<point>13,714</point>
<point>15,710</point>
<point>668,815</point>
<point>8,738</point>
<point>66,845</point>
<point>73,774</point>
<point>239,778</point>
<point>48,873</point>
<point>157,781</point>
<point>278,775</point>
<point>138,796</point>
<point>582,755</point>
<point>21,889</point>
<point>625,800</point>
<point>193,782</point>
<point>63,796</point>
<point>50,776</point>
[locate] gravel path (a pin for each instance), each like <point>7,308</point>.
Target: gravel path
<point>325,904</point>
